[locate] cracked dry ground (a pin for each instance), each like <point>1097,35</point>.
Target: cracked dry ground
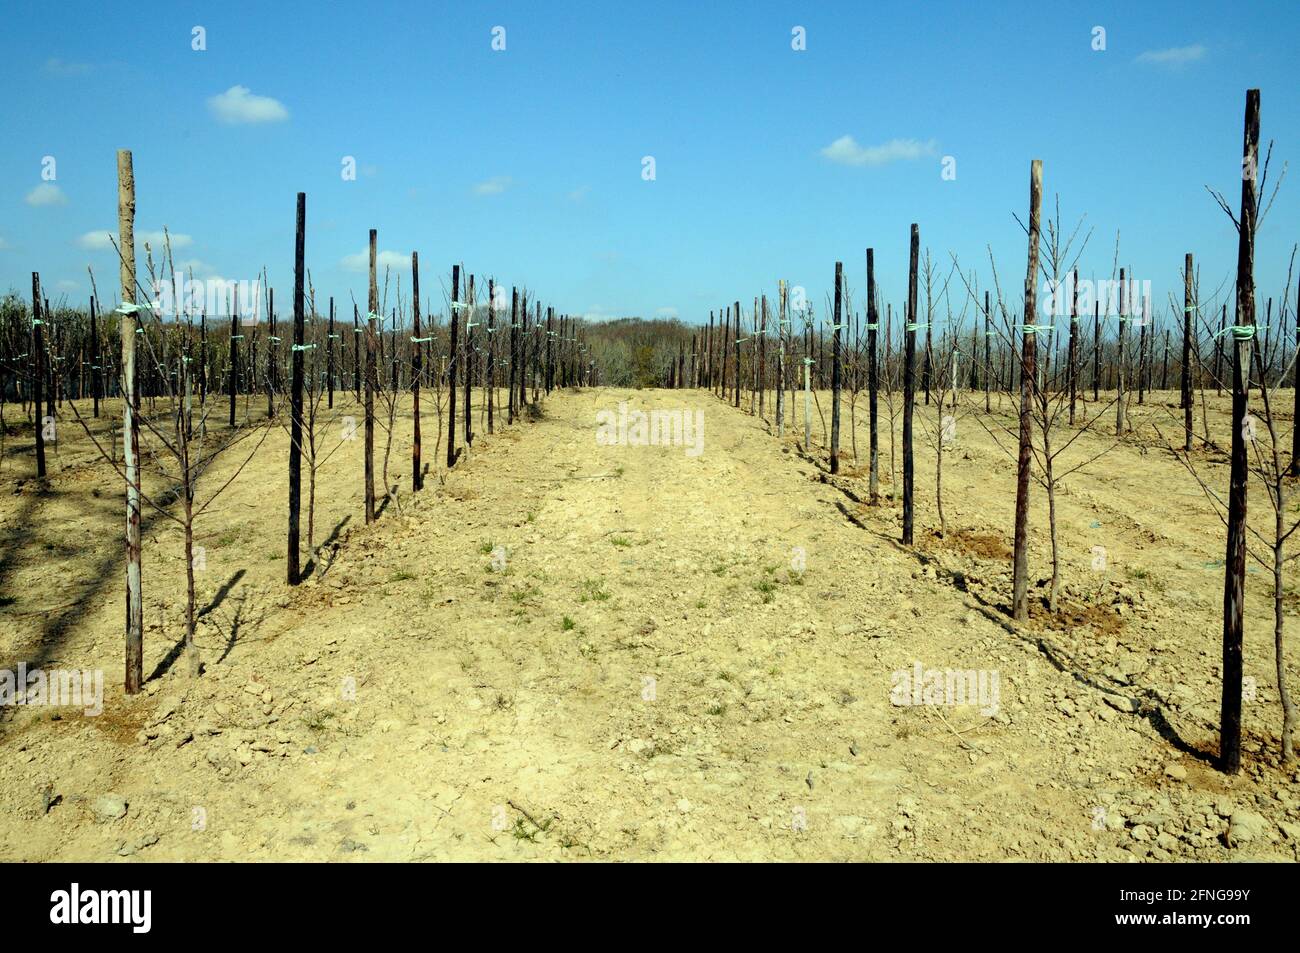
<point>412,701</point>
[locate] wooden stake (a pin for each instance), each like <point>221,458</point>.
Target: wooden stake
<point>1189,309</point>
<point>1028,384</point>
<point>909,384</point>
<point>453,358</point>
<point>836,370</point>
<point>873,384</point>
<point>1234,577</point>
<point>372,310</point>
<point>295,394</point>
<point>130,425</point>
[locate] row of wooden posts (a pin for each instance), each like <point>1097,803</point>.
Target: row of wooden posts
<point>718,367</point>
<point>544,360</point>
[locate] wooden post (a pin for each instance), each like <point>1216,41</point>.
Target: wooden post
<point>453,358</point>
<point>1120,423</point>
<point>234,356</point>
<point>417,371</point>
<point>372,316</point>
<point>807,393</point>
<point>762,356</point>
<point>492,353</point>
<point>909,383</point>
<point>780,356</point>
<point>1218,352</point>
<point>471,306</point>
<point>1189,309</point>
<point>514,350</point>
<point>1234,577</point>
<point>873,326</point>
<point>130,425</point>
<point>356,354</point>
<point>836,370</point>
<point>203,365</point>
<point>1073,355</point>
<point>1294,469</point>
<point>38,375</point>
<point>330,338</point>
<point>521,355</point>
<point>295,394</point>
<point>1164,364</point>
<point>736,339</point>
<point>550,347</point>
<point>537,349</point>
<point>95,378</point>
<point>1028,383</point>
<point>1143,363</point>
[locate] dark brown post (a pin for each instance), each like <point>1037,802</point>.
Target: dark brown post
<point>357,332</point>
<point>909,384</point>
<point>38,358</point>
<point>417,370</point>
<point>514,350</point>
<point>836,370</point>
<point>873,326</point>
<point>203,362</point>
<point>1234,580</point>
<point>1121,425</point>
<point>522,376</point>
<point>372,316</point>
<point>468,351</point>
<point>1218,352</point>
<point>1189,309</point>
<point>94,358</point>
<point>1073,353</point>
<point>234,356</point>
<point>550,342</point>
<point>295,395</point>
<point>1164,364</point>
<point>736,338</point>
<point>1028,383</point>
<point>330,338</point>
<point>492,353</point>
<point>1096,351</point>
<point>453,359</point>
<point>1294,469</point>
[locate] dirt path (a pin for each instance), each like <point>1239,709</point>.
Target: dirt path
<point>622,652</point>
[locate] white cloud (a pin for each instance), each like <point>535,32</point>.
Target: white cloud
<point>57,67</point>
<point>47,193</point>
<point>239,105</point>
<point>103,240</point>
<point>384,259</point>
<point>494,186</point>
<point>1175,57</point>
<point>846,151</point>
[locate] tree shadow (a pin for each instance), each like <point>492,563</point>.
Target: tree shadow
<point>329,541</point>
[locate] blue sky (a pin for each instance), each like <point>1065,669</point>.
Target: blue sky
<point>527,163</point>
